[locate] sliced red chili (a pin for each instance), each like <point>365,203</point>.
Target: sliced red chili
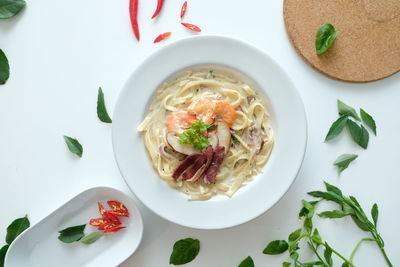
<point>133,11</point>
<point>119,213</point>
<point>162,37</point>
<point>183,9</point>
<point>102,210</point>
<point>98,221</point>
<point>191,27</point>
<point>108,225</point>
<point>111,217</point>
<point>113,230</point>
<point>117,206</point>
<point>160,4</point>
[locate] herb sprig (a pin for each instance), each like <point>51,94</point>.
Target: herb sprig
<point>349,207</point>
<point>350,119</point>
<point>194,135</point>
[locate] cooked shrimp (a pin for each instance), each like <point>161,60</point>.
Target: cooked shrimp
<point>178,121</point>
<point>225,111</point>
<point>203,108</point>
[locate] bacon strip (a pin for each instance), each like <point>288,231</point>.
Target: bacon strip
<point>209,155</point>
<point>191,171</point>
<point>186,164</point>
<point>212,171</point>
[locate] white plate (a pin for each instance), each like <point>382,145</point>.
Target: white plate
<point>289,124</point>
<point>39,246</point>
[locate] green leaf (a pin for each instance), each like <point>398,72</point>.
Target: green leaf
<point>325,37</point>
<point>276,247</point>
<point>333,214</point>
<point>368,120</point>
<point>294,255</point>
<point>194,135</point>
<point>72,234</point>
<point>359,134</point>
<point>336,128</point>
<point>305,211</point>
<point>316,237</point>
<point>102,113</point>
<point>328,254</point>
<point>314,263</point>
<point>361,224</point>
<point>3,252</point>
<point>375,213</point>
<point>91,238</point>
<point>344,160</point>
<point>346,110</point>
<point>345,264</point>
<point>4,67</point>
<point>286,264</point>
<point>308,225</point>
<point>327,196</point>
<point>234,139</point>
<point>184,251</point>
<point>74,146</point>
<point>16,228</point>
<point>10,8</point>
<point>309,208</point>
<point>247,262</point>
<point>333,189</point>
<point>294,235</point>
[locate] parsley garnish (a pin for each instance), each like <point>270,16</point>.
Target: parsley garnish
<point>194,136</point>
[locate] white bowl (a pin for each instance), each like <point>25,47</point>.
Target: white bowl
<point>289,125</point>
<point>39,246</point>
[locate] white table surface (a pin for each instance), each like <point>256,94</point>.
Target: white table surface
<point>61,52</point>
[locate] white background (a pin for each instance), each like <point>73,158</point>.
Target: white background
<point>60,52</point>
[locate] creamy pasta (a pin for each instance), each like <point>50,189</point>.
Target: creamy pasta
<point>250,134</point>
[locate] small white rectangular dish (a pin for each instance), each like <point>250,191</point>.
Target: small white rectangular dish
<point>39,246</point>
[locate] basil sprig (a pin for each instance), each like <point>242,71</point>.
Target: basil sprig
<point>184,251</point>
<point>13,230</point>
<point>325,37</point>
<point>74,146</point>
<point>10,8</point>
<point>350,119</point>
<point>4,68</point>
<point>349,206</point>
<point>102,113</point>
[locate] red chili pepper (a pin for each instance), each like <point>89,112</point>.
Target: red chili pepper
<point>113,230</point>
<point>108,225</point>
<point>111,216</point>
<point>162,37</point>
<point>117,207</point>
<point>119,213</point>
<point>158,9</point>
<point>98,221</point>
<point>191,27</point>
<point>183,9</point>
<point>133,11</point>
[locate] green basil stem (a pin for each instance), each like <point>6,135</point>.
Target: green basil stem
<point>323,244</point>
<point>315,250</point>
<point>357,246</point>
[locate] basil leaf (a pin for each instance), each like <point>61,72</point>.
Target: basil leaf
<point>4,67</point>
<point>362,225</point>
<point>309,208</point>
<point>102,113</point>
<point>316,237</point>
<point>294,235</point>
<point>314,263</point>
<point>333,214</point>
<point>16,228</point>
<point>286,264</point>
<point>308,225</point>
<point>184,251</point>
<point>305,211</point>
<point>346,110</point>
<point>328,254</point>
<point>247,262</point>
<point>276,247</point>
<point>368,120</point>
<point>72,234</point>
<point>91,238</point>
<point>325,37</point>
<point>234,139</point>
<point>10,8</point>
<point>333,189</point>
<point>74,146</point>
<point>375,213</point>
<point>344,160</point>
<point>359,134</point>
<point>345,264</point>
<point>336,128</point>
<point>294,256</point>
<point>3,252</point>
<point>327,195</point>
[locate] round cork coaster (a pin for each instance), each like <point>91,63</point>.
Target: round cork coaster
<point>367,47</point>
